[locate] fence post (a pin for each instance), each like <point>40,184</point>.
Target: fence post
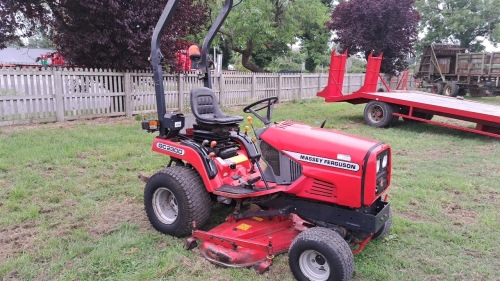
<point>221,89</point>
<point>128,94</point>
<point>254,86</point>
<point>180,92</point>
<point>319,82</point>
<point>301,86</point>
<point>58,91</point>
<point>349,89</point>
<point>279,88</point>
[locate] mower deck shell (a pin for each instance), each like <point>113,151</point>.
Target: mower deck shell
<point>249,241</point>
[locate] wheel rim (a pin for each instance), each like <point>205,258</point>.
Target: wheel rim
<point>376,113</point>
<point>165,205</point>
<point>447,91</point>
<point>314,265</point>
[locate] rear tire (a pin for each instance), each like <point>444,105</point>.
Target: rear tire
<point>379,114</point>
<point>451,89</point>
<point>320,254</point>
<point>437,88</point>
<point>175,197</point>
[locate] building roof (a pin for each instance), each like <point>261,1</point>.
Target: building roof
<point>16,55</point>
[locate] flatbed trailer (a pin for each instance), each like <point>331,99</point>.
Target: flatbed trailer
<point>383,109</point>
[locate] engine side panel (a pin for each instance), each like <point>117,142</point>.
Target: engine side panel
<point>336,167</point>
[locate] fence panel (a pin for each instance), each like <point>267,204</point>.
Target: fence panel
<point>47,95</point>
<point>25,95</point>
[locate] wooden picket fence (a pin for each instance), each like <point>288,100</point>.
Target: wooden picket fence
<point>30,95</point>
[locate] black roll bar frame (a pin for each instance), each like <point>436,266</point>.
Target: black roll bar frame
<point>156,56</point>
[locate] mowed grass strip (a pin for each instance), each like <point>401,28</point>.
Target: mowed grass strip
<point>71,204</point>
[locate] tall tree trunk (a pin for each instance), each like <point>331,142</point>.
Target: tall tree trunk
<point>246,54</point>
<point>245,60</point>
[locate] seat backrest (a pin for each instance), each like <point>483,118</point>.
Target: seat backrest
<point>204,104</point>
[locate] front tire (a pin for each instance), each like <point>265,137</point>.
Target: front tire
<point>175,197</point>
<point>320,254</point>
<point>379,114</point>
<point>384,229</point>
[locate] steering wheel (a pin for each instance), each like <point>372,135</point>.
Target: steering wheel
<point>268,103</point>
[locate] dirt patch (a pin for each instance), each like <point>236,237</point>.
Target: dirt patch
<point>17,239</point>
<point>412,213</point>
<point>415,217</point>
<point>490,196</point>
<point>461,215</point>
<point>68,124</point>
<point>474,253</point>
<point>116,213</point>
<point>12,276</point>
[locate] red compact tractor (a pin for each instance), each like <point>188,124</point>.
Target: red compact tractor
<point>312,191</point>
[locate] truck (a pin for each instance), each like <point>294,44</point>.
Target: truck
<point>453,71</point>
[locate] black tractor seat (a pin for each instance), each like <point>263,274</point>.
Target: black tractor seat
<point>206,108</point>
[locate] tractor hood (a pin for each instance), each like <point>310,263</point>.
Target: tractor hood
<point>317,145</point>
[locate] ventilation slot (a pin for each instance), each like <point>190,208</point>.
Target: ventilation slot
<point>295,170</point>
<point>285,124</point>
<point>322,188</point>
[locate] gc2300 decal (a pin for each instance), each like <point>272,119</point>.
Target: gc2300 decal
<point>170,148</point>
<point>324,161</point>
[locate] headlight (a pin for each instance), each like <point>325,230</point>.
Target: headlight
<point>384,161</point>
<point>378,165</point>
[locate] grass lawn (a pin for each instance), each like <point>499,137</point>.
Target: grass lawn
<point>71,204</point>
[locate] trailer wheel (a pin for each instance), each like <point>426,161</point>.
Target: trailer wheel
<point>437,88</point>
<point>451,89</point>
<point>175,197</point>
<point>379,114</point>
<point>320,254</point>
<point>385,228</point>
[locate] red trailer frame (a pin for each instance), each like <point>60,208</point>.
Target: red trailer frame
<point>486,116</point>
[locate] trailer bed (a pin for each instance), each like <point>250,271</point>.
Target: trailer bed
<point>413,105</point>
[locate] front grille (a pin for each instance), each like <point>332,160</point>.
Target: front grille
<point>381,183</point>
<point>322,188</point>
<point>295,170</point>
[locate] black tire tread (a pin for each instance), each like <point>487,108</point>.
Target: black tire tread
<point>438,88</point>
<point>196,196</point>
<point>329,241</point>
<point>387,120</point>
<point>453,89</point>
<point>384,230</point>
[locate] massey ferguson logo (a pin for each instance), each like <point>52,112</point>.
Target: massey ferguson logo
<point>169,148</point>
<point>325,161</point>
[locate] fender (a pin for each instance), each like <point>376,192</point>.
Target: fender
<point>193,154</point>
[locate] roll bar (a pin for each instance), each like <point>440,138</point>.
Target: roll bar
<point>156,56</point>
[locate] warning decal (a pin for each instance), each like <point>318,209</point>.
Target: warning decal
<point>243,226</point>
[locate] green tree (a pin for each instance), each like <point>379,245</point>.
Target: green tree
<point>314,34</point>
<point>40,40</point>
<point>464,22</point>
<point>261,30</point>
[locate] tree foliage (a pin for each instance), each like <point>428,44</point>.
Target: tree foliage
<point>104,33</point>
<point>262,30</point>
<point>315,36</point>
<point>464,22</point>
<point>379,26</point>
